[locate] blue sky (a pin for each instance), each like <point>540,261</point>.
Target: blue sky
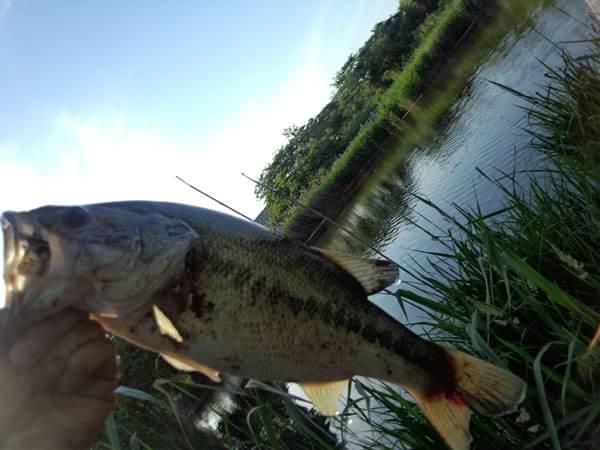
<point>110,100</point>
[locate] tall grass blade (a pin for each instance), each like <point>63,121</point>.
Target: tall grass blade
<point>110,428</point>
<point>539,382</point>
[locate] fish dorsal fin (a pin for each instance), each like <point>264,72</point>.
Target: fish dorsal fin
<point>165,326</point>
<point>373,274</point>
<point>325,394</point>
<point>187,365</point>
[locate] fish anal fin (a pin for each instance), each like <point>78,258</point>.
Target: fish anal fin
<point>373,274</point>
<point>325,394</point>
<point>188,365</point>
<point>449,415</point>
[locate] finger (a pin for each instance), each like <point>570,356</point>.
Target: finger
<point>9,330</point>
<point>90,424</point>
<point>76,349</point>
<point>4,317</point>
<point>83,420</point>
<point>108,366</point>
<point>77,337</point>
<point>96,357</point>
<point>74,379</point>
<point>59,422</point>
<point>91,370</point>
<point>42,336</point>
<point>15,390</point>
<point>94,388</point>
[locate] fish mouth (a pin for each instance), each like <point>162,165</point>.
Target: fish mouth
<point>26,257</point>
<point>8,236</point>
<point>10,255</point>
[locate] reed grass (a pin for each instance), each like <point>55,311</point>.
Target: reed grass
<point>519,286</point>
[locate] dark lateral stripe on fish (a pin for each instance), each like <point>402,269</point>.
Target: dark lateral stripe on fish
<point>398,339</point>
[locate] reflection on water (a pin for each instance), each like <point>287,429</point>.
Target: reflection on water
<point>380,218</point>
<point>481,130</point>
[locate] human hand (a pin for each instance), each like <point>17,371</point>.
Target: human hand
<point>57,381</point>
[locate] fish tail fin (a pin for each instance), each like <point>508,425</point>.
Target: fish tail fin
<point>487,389</point>
<point>449,416</point>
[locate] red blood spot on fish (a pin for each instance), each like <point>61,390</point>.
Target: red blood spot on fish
<point>455,398</point>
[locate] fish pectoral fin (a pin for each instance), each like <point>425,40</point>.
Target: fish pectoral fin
<point>179,362</point>
<point>165,325</point>
<point>187,365</point>
<point>373,274</point>
<point>325,395</point>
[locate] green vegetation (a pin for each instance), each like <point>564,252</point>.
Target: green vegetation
<point>375,89</point>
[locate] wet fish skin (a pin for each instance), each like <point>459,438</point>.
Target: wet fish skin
<point>240,309</point>
<point>233,298</point>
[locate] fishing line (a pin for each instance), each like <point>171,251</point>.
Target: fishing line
<point>387,291</point>
<point>331,221</point>
<point>223,204</point>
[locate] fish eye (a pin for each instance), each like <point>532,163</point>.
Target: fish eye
<point>75,217</point>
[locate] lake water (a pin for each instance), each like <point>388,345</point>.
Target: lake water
<point>481,130</point>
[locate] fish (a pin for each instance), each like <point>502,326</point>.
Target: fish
<point>220,295</point>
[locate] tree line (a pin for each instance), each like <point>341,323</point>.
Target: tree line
<point>312,148</point>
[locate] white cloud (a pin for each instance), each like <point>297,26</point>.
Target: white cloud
<point>248,143</point>
<point>87,161</point>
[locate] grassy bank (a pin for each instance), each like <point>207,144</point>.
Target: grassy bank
<point>418,98</point>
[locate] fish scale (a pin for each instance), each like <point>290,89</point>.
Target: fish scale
<point>261,306</point>
<point>275,313</point>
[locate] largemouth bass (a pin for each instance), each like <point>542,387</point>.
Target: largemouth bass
<point>216,294</point>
